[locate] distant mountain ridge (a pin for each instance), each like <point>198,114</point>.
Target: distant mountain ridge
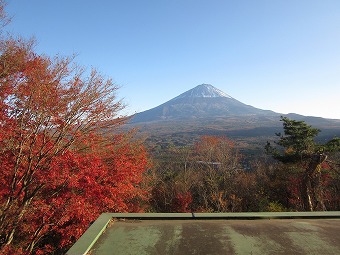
<point>206,110</point>
<point>200,102</point>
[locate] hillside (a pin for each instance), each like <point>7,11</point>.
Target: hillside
<point>206,110</point>
<point>203,101</point>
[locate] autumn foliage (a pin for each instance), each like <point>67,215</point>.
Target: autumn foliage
<point>213,176</point>
<point>63,161</point>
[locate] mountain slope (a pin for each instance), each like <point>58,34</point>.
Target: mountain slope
<point>205,110</point>
<point>200,102</point>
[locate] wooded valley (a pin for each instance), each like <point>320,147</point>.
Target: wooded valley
<point>65,159</point>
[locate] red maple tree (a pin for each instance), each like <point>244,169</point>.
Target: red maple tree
<point>63,160</point>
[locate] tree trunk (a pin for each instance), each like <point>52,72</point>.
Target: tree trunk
<point>310,186</point>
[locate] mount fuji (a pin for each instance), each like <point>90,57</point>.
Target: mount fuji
<point>200,102</point>
<point>206,110</point>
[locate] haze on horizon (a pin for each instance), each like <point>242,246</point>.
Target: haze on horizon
<point>278,55</point>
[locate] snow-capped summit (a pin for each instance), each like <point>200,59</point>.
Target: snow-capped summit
<point>203,101</point>
<point>203,90</point>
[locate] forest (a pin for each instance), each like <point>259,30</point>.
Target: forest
<point>65,159</point>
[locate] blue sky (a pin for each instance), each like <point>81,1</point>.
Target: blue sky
<point>282,55</point>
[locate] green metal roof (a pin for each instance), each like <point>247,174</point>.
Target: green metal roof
<point>212,233</point>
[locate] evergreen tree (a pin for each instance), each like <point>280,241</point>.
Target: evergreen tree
<point>299,149</point>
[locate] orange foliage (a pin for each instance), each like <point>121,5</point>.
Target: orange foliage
<point>62,163</point>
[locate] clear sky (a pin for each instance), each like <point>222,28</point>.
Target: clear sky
<point>282,55</point>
